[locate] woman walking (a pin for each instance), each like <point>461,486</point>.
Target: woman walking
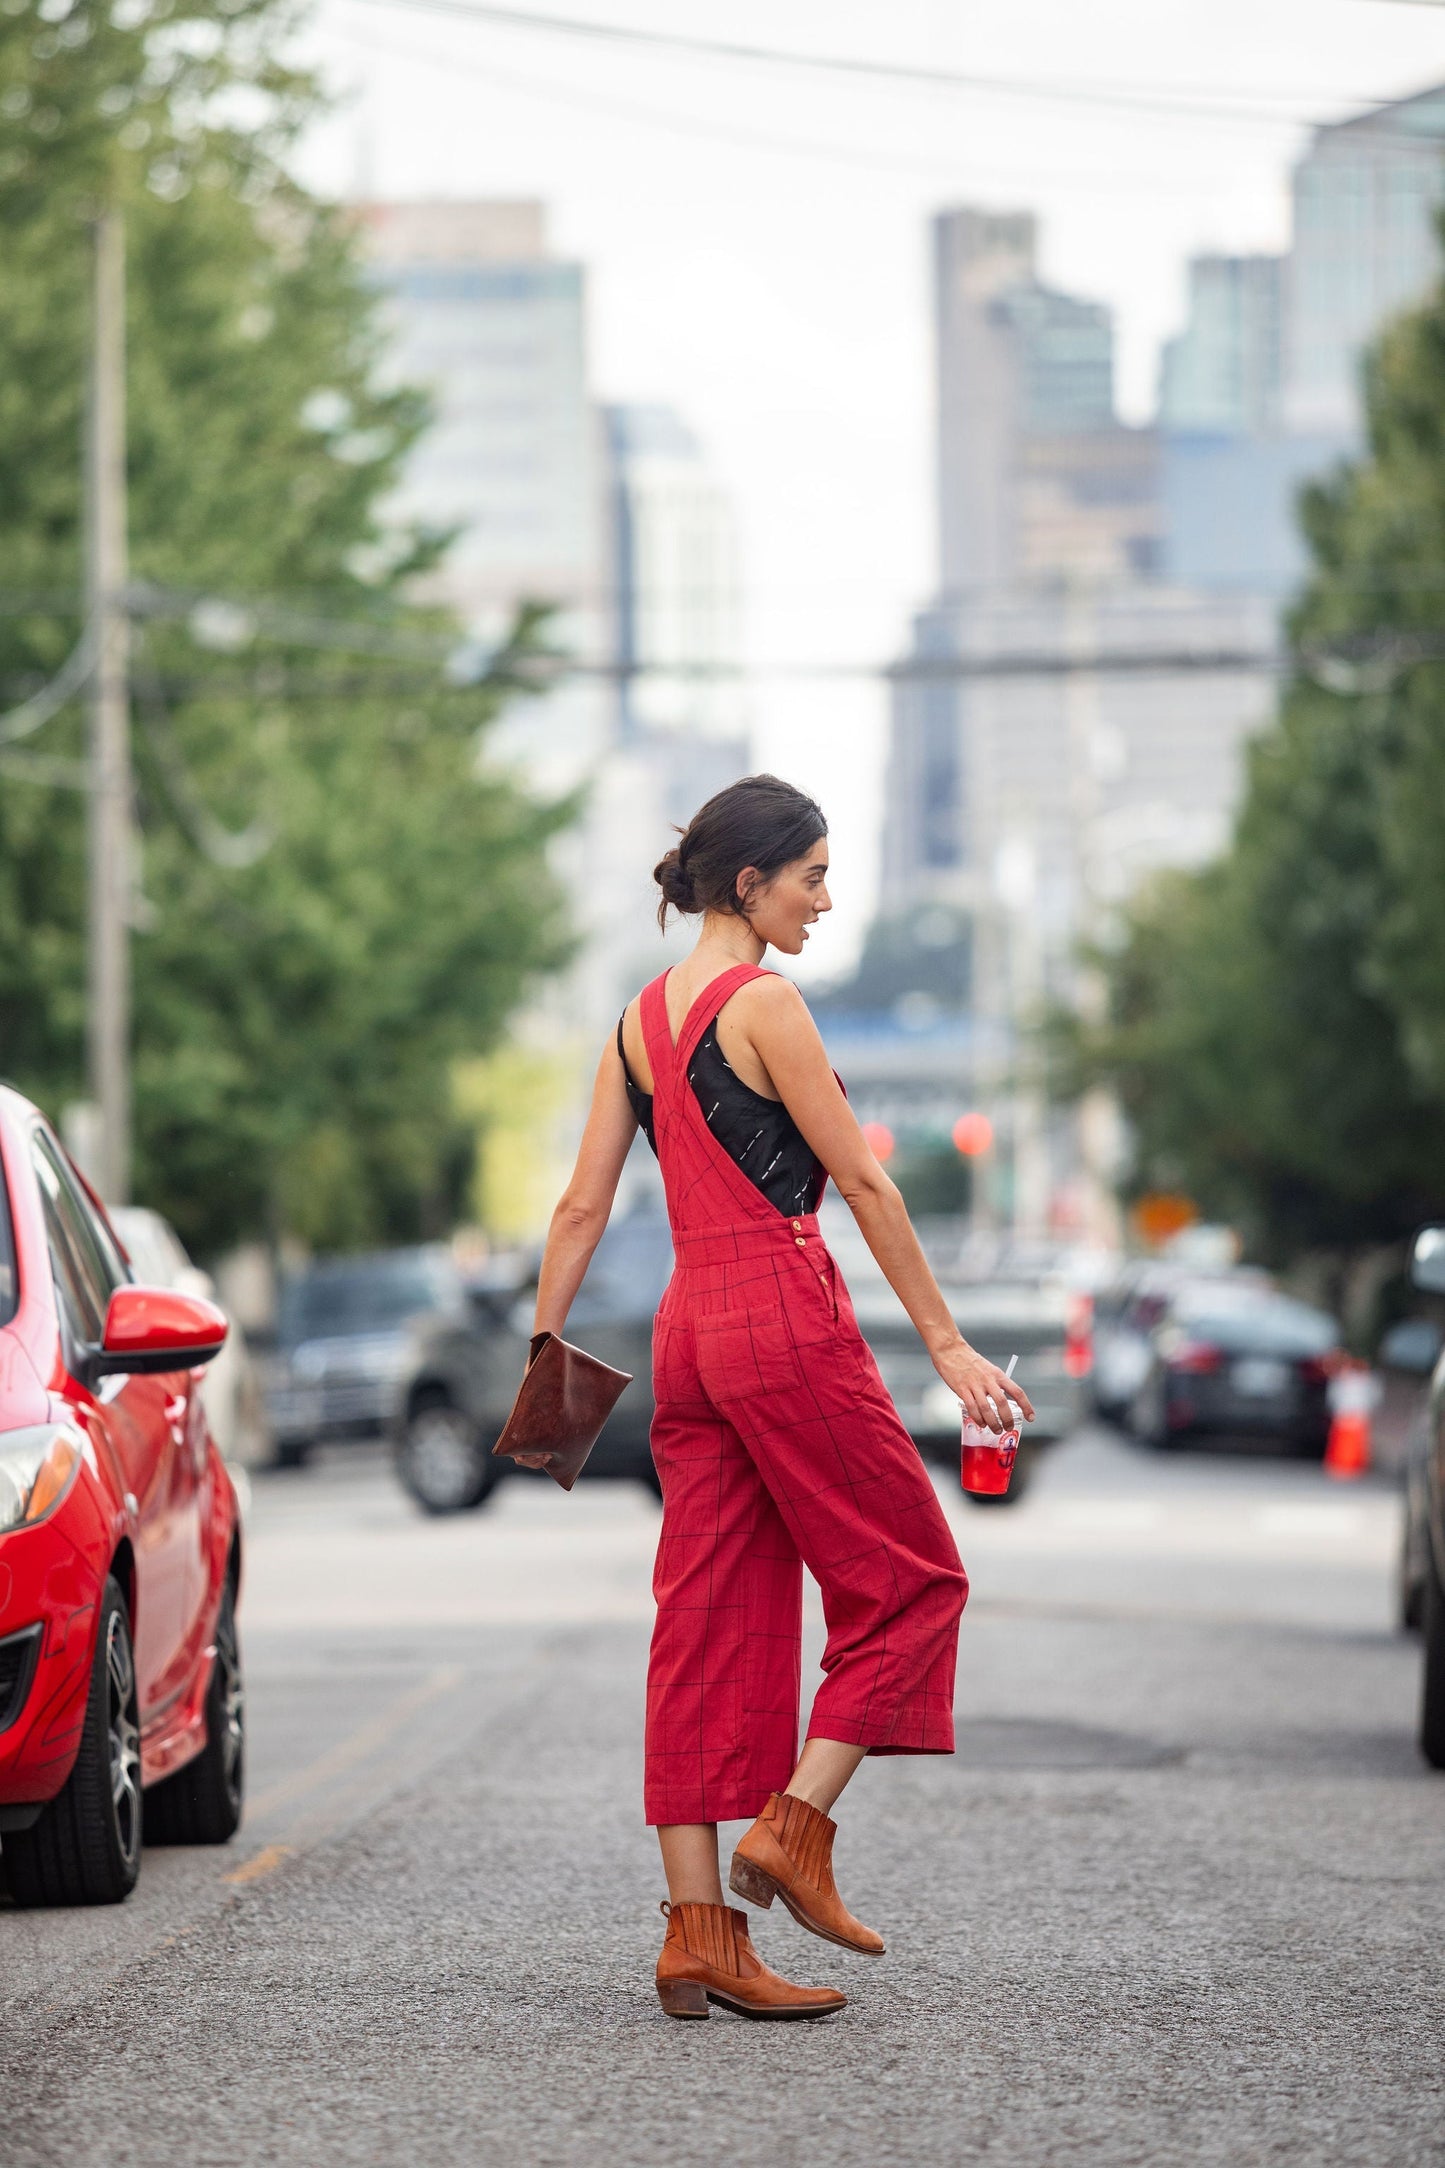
<point>776,1444</point>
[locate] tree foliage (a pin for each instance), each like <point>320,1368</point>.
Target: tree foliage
<point>337,898</point>
<point>1275,1024</point>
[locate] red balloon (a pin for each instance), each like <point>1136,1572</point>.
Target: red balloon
<point>879,1139</point>
<point>972,1134</point>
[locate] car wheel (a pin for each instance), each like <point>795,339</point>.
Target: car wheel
<point>1432,1689</point>
<point>85,1847</point>
<point>442,1458</point>
<point>201,1804</point>
<point>292,1452</point>
<point>1147,1419</point>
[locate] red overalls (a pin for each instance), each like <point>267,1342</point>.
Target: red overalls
<point>777,1446</point>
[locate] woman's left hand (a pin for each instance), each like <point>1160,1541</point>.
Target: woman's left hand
<point>982,1386</point>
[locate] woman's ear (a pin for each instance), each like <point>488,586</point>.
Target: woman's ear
<point>746,885</point>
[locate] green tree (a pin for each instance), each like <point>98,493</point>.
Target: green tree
<point>338,897</point>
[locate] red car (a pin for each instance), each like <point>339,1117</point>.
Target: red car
<point>120,1550</point>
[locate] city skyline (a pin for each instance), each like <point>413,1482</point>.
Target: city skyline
<point>757,256</point>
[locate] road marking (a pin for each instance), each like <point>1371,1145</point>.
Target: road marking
<point>361,1744</point>
<point>265,1862</point>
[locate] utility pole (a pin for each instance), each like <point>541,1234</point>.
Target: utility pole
<point>109,799</point>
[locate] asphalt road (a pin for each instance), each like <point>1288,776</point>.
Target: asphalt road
<point>1180,1897</point>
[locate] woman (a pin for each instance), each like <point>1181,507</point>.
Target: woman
<point>775,1441</point>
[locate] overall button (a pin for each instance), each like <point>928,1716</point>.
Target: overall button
<point>797,1227</point>
<point>802,1241</point>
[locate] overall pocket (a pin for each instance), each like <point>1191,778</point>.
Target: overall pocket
<point>741,1355</point>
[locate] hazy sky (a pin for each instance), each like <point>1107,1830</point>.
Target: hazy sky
<point>755,240</point>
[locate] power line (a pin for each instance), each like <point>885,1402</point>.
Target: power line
<point>693,125</point>
<point>851,67</point>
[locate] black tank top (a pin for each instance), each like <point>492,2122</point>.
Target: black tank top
<point>760,1134</point>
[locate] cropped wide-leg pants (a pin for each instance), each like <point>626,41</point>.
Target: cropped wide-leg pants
<point>778,1447</point>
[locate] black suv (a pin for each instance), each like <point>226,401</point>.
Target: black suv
<point>464,1372</point>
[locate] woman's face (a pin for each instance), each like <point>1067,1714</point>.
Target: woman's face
<point>783,908</point>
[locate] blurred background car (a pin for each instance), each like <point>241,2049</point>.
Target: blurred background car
<point>1230,1356</point>
<point>463,1369</point>
<point>1132,1301</point>
<point>231,1388</point>
<point>1425,1520</point>
<point>344,1327</point>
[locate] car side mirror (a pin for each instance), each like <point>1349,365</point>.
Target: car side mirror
<point>1427,1264</point>
<point>150,1329</point>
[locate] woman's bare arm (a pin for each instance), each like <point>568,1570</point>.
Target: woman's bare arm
<point>786,1039</point>
<point>585,1203</point>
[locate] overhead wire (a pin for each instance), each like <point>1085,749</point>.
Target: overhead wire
<point>692,125</point>
<point>853,67</point>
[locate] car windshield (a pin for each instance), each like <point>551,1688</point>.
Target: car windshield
<point>9,1282</point>
<point>1263,1324</point>
<point>366,1294</point>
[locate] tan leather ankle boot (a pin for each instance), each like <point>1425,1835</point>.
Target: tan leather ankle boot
<point>708,1956</point>
<point>788,1853</point>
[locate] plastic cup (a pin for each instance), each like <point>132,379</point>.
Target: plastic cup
<point>987,1460</point>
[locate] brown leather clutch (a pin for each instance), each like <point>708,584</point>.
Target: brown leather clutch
<point>562,1402</point>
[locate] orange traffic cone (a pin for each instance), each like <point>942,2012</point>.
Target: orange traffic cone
<point>1353,1393</point>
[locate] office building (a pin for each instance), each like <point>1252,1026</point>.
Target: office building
<point>486,320</point>
<point>1366,196</point>
<point>1036,477</point>
<point>1222,374</point>
<point>676,599</point>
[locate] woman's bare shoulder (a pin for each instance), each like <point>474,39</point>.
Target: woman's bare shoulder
<point>771,1003</point>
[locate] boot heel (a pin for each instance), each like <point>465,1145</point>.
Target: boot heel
<point>683,1998</point>
<point>746,1880</point>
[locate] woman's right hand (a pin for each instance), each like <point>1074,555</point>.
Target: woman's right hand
<point>981,1386</point>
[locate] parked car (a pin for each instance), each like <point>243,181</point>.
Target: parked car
<point>121,1700</point>
<point>343,1342</point>
<point>235,1403</point>
<point>1428,1272</point>
<point>464,1369</point>
<point>1228,1356</point>
<point>1129,1306</point>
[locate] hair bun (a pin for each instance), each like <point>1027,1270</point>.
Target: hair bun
<point>673,878</point>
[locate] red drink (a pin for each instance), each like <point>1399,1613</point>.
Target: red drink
<point>988,1459</point>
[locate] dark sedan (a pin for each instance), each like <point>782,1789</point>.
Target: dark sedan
<point>1235,1358</point>
<point>463,1372</point>
<point>1429,1277</point>
<point>343,1339</point>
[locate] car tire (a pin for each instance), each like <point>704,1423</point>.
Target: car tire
<point>201,1804</point>
<point>85,1847</point>
<point>292,1452</point>
<point>1432,1685</point>
<point>442,1458</point>
<point>1148,1421</point>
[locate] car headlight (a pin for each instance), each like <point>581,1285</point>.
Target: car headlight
<point>37,1466</point>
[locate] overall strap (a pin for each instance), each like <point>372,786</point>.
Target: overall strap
<point>705,1009</point>
<point>652,1011</point>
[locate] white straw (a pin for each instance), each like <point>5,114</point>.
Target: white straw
<point>1010,1370</point>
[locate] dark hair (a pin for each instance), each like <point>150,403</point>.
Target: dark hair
<point>758,821</point>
